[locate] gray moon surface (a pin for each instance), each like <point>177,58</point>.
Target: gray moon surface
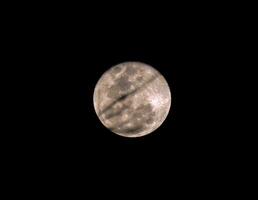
<point>132,99</point>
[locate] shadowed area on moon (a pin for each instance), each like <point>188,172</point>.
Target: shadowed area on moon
<point>120,88</point>
<point>140,116</point>
<point>119,95</point>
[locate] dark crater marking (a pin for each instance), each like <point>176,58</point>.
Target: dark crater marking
<point>132,130</point>
<point>140,117</point>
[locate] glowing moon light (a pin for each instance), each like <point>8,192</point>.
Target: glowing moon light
<point>132,99</point>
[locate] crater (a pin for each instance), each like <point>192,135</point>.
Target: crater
<point>121,87</point>
<point>145,109</point>
<point>116,111</point>
<point>150,120</point>
<point>114,92</point>
<point>132,130</point>
<point>124,83</point>
<point>139,78</point>
<point>116,70</point>
<point>130,70</point>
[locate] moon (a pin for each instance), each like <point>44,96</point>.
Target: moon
<point>132,99</point>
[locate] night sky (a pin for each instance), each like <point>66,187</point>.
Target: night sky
<point>66,126</point>
<point>57,57</point>
<point>64,60</point>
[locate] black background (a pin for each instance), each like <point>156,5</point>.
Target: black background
<point>63,59</point>
<point>73,70</point>
<point>61,55</point>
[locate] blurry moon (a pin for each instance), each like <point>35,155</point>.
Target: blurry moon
<point>132,99</point>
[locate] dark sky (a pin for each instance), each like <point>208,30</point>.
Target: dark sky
<point>65,67</point>
<point>63,62</point>
<point>58,55</point>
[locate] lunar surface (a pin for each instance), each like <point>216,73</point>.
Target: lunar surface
<point>132,99</point>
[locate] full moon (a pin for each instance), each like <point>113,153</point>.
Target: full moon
<point>132,99</point>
